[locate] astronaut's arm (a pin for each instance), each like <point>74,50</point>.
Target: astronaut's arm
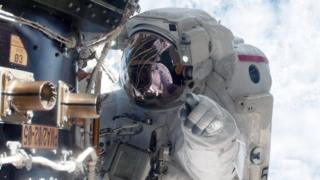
<point>209,150</point>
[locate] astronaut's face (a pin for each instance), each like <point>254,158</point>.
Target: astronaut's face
<point>152,74</point>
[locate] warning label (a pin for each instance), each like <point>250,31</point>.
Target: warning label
<point>18,53</point>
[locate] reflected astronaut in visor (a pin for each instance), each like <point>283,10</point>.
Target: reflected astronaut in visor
<point>155,77</point>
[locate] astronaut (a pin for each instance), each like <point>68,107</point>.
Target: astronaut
<point>193,87</point>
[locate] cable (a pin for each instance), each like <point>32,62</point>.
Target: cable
<point>51,34</point>
<point>69,42</point>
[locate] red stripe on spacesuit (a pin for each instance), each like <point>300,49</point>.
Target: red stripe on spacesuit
<point>252,58</point>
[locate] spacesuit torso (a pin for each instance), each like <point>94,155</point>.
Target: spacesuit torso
<point>223,134</point>
<point>164,128</point>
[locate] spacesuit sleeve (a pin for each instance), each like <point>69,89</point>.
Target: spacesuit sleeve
<point>211,157</point>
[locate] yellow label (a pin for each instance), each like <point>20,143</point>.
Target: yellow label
<point>18,54</point>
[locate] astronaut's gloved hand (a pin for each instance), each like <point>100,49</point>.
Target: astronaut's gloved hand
<point>202,115</point>
<point>209,150</point>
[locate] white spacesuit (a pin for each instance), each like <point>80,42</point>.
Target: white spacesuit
<point>196,102</point>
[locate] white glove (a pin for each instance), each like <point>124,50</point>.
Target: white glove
<point>204,117</point>
<point>209,150</point>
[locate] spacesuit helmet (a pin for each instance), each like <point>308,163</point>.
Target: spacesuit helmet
<point>152,74</point>
<point>167,56</point>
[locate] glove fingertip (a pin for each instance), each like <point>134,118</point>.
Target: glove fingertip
<point>188,123</point>
<point>196,130</point>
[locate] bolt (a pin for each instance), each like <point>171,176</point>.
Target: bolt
<point>8,112</point>
<point>29,114</point>
<point>54,151</point>
<point>256,155</point>
<point>65,118</point>
<point>264,174</point>
<point>33,151</point>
